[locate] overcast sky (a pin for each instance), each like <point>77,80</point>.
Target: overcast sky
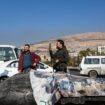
<point>31,21</point>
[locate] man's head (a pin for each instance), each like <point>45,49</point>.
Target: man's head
<point>60,44</point>
<point>26,47</point>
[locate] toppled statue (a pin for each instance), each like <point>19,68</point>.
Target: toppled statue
<point>55,86</point>
<point>36,88</point>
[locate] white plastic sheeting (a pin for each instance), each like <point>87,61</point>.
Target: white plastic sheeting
<point>39,84</point>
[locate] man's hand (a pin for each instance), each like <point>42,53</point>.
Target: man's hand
<point>57,60</point>
<point>20,71</point>
<point>34,64</point>
<point>50,47</point>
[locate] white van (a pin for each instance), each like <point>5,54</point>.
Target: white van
<point>93,66</point>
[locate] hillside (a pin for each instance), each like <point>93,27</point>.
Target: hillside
<point>75,42</point>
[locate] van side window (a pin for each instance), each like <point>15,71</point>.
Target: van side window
<point>96,60</point>
<point>103,60</point>
<point>87,61</point>
<point>13,64</point>
<point>92,61</point>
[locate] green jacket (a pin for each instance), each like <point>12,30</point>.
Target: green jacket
<point>61,54</point>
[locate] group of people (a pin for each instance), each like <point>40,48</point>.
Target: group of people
<point>28,60</point>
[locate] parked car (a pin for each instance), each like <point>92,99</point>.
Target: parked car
<point>93,66</point>
<point>10,68</point>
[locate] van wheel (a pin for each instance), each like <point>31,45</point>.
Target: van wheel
<point>93,74</point>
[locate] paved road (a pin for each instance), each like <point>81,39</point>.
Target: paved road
<point>74,72</point>
<point>77,72</point>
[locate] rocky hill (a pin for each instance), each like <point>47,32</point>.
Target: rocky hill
<point>74,42</point>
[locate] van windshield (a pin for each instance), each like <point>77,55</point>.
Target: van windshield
<point>6,53</point>
<point>91,61</point>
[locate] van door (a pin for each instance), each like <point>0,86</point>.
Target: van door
<point>103,66</point>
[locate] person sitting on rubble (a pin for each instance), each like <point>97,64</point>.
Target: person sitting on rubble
<point>60,57</point>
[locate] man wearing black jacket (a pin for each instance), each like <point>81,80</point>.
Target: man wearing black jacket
<point>60,57</point>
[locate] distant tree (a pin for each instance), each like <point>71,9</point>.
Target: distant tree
<point>86,52</point>
<point>102,53</point>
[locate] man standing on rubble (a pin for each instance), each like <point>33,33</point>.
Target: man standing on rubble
<point>27,60</point>
<point>60,57</point>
